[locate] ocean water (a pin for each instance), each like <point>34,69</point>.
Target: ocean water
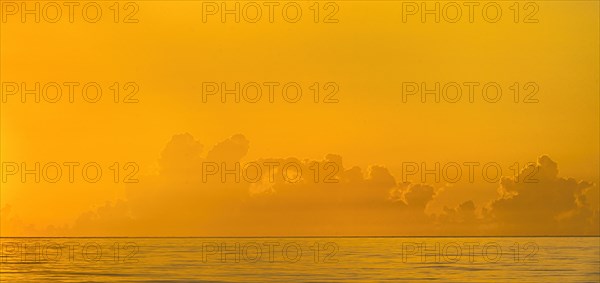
<point>394,259</point>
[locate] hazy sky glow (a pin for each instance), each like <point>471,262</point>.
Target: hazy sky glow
<point>377,154</point>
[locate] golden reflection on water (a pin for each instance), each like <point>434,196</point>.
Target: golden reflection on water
<point>540,259</point>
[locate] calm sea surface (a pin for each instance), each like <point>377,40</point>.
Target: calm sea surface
<point>543,259</point>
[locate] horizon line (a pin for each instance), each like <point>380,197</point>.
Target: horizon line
<point>330,236</point>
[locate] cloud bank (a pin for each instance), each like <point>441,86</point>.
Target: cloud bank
<point>326,199</point>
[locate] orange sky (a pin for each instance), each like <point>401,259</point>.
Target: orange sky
<point>363,59</point>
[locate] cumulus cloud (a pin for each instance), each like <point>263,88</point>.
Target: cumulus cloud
<point>319,197</point>
<point>324,199</point>
<point>538,201</point>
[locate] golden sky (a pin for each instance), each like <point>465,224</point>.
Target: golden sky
<point>367,61</point>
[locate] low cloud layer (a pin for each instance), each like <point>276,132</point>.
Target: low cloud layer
<point>181,199</point>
